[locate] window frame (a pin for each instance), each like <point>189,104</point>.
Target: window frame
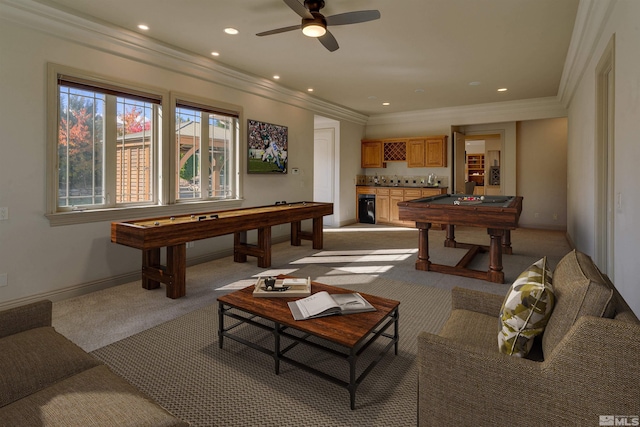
<point>216,107</point>
<point>164,203</point>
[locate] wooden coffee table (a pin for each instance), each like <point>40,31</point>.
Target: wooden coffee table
<point>353,332</point>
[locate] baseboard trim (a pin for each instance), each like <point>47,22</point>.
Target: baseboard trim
<point>74,291</point>
<point>108,282</point>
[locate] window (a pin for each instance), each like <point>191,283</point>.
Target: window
<point>106,152</point>
<point>107,141</point>
<point>207,139</point>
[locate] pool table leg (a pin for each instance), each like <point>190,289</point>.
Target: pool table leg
<point>495,273</point>
<point>506,243</point>
<point>423,263</point>
<point>450,241</point>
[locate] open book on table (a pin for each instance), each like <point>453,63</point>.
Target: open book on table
<point>324,304</point>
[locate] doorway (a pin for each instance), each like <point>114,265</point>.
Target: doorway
<point>324,168</point>
<point>478,162</point>
<point>604,161</point>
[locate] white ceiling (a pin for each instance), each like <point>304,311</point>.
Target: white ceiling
<point>437,46</point>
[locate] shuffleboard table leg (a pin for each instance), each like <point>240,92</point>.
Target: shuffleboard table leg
<point>177,271</point>
<point>264,244</point>
<point>150,259</point>
<point>239,239</point>
<point>317,233</point>
<point>296,229</point>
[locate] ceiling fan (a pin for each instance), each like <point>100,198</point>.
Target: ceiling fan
<point>314,24</point>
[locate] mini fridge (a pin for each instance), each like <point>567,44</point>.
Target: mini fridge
<point>367,208</point>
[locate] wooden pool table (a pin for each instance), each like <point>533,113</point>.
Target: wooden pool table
<point>498,214</point>
<point>174,232</point>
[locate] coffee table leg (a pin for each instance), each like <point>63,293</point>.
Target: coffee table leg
<point>396,327</point>
<point>276,351</point>
<point>220,323</point>
<point>352,377</point>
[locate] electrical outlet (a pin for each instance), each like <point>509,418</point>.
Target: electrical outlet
<point>3,279</point>
<point>4,214</point>
<point>555,216</point>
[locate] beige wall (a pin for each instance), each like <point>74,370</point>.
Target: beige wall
<point>542,172</point>
<point>622,21</point>
<point>517,135</point>
<point>56,262</point>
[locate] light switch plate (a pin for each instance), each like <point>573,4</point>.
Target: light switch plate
<point>4,214</point>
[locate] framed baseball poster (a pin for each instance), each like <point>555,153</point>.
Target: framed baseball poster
<point>268,146</point>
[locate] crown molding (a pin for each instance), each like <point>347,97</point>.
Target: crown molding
<point>44,17</point>
<point>591,19</point>
<point>508,111</point>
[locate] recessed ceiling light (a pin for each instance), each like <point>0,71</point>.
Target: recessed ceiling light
<point>215,53</point>
<point>386,103</point>
<point>310,89</point>
<point>419,91</point>
<point>143,27</point>
<point>276,77</point>
<point>502,89</point>
<point>474,83</point>
<point>231,31</point>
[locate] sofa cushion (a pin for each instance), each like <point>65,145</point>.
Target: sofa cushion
<point>95,397</point>
<point>580,290</point>
<point>35,359</point>
<point>526,310</point>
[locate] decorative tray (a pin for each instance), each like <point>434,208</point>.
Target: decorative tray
<point>283,288</point>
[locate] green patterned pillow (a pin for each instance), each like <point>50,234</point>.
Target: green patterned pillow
<point>526,310</point>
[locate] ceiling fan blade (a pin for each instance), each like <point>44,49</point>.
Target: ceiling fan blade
<point>353,17</point>
<point>279,30</point>
<point>299,8</point>
<point>329,41</point>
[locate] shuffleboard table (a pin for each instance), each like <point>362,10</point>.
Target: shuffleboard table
<point>152,234</point>
<point>498,214</point>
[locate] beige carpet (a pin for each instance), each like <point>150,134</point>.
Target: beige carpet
<point>180,365</point>
<point>168,348</point>
<point>354,254</point>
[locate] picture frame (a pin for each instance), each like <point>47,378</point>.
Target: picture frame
<point>267,148</point>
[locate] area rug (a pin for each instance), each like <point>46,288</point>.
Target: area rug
<point>179,364</point>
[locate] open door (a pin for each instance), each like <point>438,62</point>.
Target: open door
<point>323,169</point>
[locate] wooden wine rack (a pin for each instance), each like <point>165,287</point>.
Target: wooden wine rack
<point>395,151</point>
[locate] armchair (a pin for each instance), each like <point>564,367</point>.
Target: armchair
<point>588,366</point>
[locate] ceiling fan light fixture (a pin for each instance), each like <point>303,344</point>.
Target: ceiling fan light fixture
<point>314,30</point>
<point>314,27</point>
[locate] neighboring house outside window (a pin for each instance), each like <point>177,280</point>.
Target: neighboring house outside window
<point>109,150</point>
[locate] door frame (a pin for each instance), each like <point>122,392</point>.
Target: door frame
<point>605,203</point>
